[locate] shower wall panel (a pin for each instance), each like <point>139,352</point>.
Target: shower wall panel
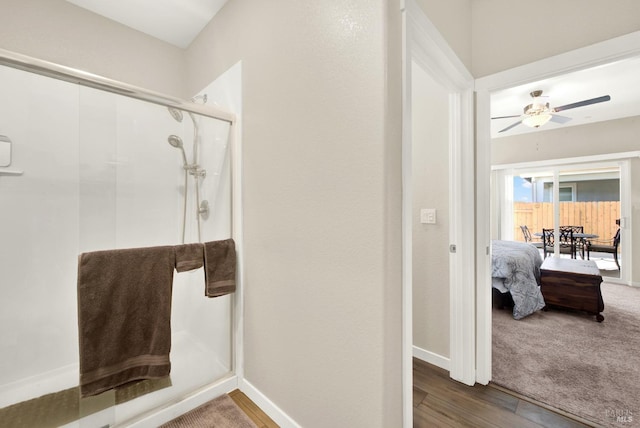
<point>100,174</point>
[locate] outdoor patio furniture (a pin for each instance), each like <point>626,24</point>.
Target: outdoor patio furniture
<point>579,242</point>
<point>566,241</point>
<point>527,237</point>
<point>605,246</point>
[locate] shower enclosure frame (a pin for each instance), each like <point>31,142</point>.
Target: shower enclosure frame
<point>82,78</point>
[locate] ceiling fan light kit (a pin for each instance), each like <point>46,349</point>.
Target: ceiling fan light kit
<point>538,112</point>
<point>536,120</point>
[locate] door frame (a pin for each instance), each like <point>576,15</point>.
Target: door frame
<point>424,45</point>
<point>615,49</point>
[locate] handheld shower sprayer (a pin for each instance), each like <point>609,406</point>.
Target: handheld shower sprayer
<point>192,169</point>
<point>176,142</point>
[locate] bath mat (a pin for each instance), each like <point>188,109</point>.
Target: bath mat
<point>222,412</point>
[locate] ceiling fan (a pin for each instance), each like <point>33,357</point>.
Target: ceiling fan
<point>538,112</point>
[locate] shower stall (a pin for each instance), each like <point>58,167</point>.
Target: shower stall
<point>90,164</point>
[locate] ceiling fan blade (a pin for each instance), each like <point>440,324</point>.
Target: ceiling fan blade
<point>582,103</point>
<point>506,117</point>
<point>559,119</point>
<point>511,126</point>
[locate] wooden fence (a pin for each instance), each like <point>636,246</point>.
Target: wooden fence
<point>596,217</point>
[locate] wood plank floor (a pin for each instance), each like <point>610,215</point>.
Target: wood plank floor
<point>439,401</point>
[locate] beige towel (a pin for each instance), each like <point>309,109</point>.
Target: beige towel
<point>189,257</point>
<point>124,310</point>
<point>219,267</point>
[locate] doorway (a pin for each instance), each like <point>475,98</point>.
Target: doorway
<point>618,49</point>
<point>438,203</point>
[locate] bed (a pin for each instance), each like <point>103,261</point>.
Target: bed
<point>515,270</point>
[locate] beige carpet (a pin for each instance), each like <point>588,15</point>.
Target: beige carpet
<point>222,412</point>
<point>569,361</point>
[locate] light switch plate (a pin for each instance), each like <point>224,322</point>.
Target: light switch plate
<point>5,151</point>
<point>428,216</point>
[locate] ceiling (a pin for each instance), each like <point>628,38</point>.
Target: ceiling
<point>179,21</point>
<point>620,80</point>
<point>175,21</point>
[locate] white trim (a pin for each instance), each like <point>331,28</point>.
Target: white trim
<point>424,45</point>
<point>237,232</point>
<point>432,358</point>
<point>484,225</point>
<point>615,49</point>
<point>407,250</point>
<point>268,406</point>
<point>600,53</point>
<point>626,222</point>
<point>568,161</point>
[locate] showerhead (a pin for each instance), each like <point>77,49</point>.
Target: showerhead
<point>175,113</point>
<point>175,141</point>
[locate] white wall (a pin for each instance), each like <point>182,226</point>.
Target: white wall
<point>321,202</point>
<point>430,148</point>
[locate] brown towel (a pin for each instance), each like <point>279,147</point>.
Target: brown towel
<point>124,310</point>
<point>219,267</point>
<point>189,257</point>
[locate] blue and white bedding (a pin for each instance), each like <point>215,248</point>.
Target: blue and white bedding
<point>515,267</point>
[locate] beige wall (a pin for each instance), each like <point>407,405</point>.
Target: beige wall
<point>57,31</point>
<point>321,148</point>
<point>430,155</point>
<point>322,183</point>
<point>613,136</point>
<point>507,33</point>
<point>452,18</point>
<point>495,35</point>
<point>321,158</point>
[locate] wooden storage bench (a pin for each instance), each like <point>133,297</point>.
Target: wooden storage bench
<point>572,283</point>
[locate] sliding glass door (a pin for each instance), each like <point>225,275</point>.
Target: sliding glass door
<point>578,208</point>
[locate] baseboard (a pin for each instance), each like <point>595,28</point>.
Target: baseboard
<point>432,358</point>
<point>267,406</point>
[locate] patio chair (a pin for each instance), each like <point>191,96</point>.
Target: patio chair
<point>567,243</point>
<point>605,246</point>
<point>527,237</point>
<point>579,242</point>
